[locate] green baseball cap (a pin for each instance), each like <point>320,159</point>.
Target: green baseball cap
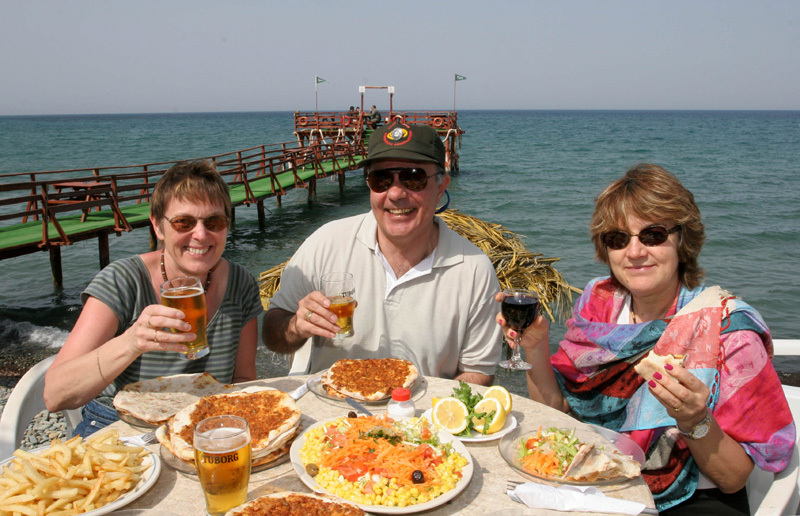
<point>401,141</point>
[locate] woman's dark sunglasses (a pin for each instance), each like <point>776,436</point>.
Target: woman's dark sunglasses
<point>184,223</point>
<point>649,236</point>
<point>414,179</point>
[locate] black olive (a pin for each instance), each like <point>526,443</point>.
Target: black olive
<point>312,469</point>
<point>417,477</point>
<point>352,414</point>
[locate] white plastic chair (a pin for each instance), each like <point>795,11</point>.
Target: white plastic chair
<point>779,493</point>
<point>27,400</point>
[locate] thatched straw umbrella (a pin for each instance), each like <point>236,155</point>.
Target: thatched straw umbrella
<point>516,267</point>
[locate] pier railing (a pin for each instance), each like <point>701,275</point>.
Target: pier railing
<point>45,210</point>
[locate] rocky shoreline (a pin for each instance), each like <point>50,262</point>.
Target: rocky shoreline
<point>45,427</point>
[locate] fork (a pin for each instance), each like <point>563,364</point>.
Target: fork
<point>141,440</point>
<point>512,484</point>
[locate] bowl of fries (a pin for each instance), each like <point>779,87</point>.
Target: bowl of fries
<point>93,476</point>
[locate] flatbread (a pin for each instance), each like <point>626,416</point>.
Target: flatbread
<point>370,379</point>
<point>273,417</point>
<point>296,504</point>
<point>592,464</point>
<point>655,363</point>
<point>155,400</point>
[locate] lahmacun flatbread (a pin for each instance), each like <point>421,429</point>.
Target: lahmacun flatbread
<point>273,417</point>
<point>155,400</point>
<point>370,379</point>
<point>655,363</point>
<point>296,504</point>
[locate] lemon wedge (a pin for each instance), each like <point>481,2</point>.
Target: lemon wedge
<point>500,394</point>
<point>450,414</point>
<point>434,401</point>
<point>496,422</point>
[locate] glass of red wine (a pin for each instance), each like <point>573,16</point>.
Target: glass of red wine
<point>519,309</point>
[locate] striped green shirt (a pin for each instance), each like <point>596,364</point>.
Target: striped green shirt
<point>125,287</point>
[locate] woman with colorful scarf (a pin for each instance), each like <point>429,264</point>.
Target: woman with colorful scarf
<point>705,424</point>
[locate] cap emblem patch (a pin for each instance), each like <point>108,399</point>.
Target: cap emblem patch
<point>397,136</point>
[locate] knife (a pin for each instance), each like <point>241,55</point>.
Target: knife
<point>358,406</point>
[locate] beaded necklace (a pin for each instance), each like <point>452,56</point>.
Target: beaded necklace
<point>164,273</point>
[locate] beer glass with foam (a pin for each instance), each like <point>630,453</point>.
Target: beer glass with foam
<point>222,455</point>
<point>340,289</point>
<point>187,295</point>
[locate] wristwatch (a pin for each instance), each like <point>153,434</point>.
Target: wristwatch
<point>699,430</point>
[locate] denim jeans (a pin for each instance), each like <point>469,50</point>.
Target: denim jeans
<point>95,416</point>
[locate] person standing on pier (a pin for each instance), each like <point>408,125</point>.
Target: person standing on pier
<point>123,333</point>
<point>424,292</point>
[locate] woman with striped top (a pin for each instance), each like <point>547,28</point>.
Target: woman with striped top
<point>123,332</point>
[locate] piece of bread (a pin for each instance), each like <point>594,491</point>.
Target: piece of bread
<point>300,504</point>
<point>371,379</point>
<point>155,400</point>
<point>655,363</point>
<point>273,417</point>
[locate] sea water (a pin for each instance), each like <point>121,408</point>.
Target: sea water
<point>535,172</point>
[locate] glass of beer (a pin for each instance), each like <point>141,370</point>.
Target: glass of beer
<point>222,456</point>
<point>187,295</point>
<point>340,289</point>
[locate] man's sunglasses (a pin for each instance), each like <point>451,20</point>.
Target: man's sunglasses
<point>414,179</point>
<point>649,236</point>
<point>185,223</point>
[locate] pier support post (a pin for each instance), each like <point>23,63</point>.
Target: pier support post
<point>262,219</point>
<point>233,215</point>
<point>55,266</point>
<point>341,183</point>
<point>102,245</point>
<point>312,189</point>
<point>278,200</point>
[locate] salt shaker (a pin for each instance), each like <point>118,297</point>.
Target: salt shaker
<point>401,405</point>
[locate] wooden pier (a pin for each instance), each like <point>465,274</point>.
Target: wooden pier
<point>43,211</point>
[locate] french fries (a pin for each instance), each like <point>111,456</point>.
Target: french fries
<point>70,477</point>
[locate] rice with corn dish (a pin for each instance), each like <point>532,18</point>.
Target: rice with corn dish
<point>380,461</point>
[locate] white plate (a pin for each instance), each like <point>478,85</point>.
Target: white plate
<point>477,437</point>
<point>466,475</point>
<point>418,389</point>
<point>146,481</point>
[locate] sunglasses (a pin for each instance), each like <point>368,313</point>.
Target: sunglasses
<point>184,223</point>
<point>649,236</point>
<point>414,179</point>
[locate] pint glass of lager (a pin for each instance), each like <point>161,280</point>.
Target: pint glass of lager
<point>187,295</point>
<point>222,456</point>
<point>340,289</point>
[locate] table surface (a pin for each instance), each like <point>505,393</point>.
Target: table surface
<point>180,493</point>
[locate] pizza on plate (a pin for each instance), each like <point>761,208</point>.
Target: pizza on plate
<point>296,504</point>
<point>273,417</point>
<point>155,400</point>
<point>370,379</point>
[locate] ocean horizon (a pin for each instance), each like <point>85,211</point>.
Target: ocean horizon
<point>536,172</point>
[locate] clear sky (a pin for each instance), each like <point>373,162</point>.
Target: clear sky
<point>147,56</point>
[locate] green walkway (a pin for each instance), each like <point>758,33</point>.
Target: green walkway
<point>29,235</point>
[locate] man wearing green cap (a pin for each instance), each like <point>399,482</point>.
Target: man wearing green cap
<point>425,293</point>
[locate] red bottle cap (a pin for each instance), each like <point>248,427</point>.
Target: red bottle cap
<point>401,394</point>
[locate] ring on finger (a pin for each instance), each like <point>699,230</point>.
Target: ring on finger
<point>309,314</point>
<point>155,335</point>
<point>678,408</point>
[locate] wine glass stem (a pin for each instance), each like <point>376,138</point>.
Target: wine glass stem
<point>516,357</point>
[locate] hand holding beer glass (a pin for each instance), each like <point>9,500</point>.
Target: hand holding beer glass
<point>187,295</point>
<point>222,455</point>
<point>340,290</point>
